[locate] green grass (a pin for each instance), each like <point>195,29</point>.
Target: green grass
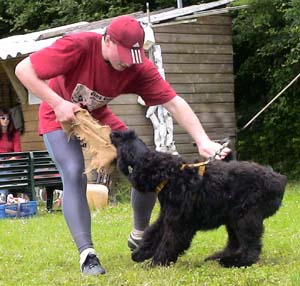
<point>40,251</point>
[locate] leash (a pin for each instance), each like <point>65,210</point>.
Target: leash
<point>267,105</point>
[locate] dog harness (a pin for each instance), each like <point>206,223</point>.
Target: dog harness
<point>201,166</point>
<point>201,170</point>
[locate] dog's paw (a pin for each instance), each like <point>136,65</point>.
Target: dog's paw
<point>138,256</point>
<point>155,263</point>
<point>235,261</point>
<point>163,261</point>
<point>216,256</point>
<point>229,262</point>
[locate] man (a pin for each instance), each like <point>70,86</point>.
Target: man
<point>88,70</point>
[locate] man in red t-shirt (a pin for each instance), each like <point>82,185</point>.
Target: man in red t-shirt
<point>88,70</point>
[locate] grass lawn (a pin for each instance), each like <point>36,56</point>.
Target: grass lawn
<point>39,251</point>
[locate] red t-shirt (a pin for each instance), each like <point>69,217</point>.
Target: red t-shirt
<point>75,66</point>
<point>10,146</point>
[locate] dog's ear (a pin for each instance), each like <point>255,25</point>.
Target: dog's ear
<point>123,167</point>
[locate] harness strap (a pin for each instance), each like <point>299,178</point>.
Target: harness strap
<point>201,166</point>
<point>201,171</point>
<point>161,186</point>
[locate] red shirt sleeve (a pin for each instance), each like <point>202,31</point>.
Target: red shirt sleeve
<point>152,87</point>
<point>59,58</point>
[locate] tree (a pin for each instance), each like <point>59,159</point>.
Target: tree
<point>267,53</point>
<point>24,16</point>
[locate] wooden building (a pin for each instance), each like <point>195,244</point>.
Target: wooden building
<point>197,55</point>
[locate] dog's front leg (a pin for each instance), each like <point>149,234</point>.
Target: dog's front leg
<point>177,237</point>
<point>151,238</point>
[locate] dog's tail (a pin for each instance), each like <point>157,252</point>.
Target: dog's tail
<point>276,187</point>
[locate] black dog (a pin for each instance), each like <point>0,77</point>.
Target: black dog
<point>239,195</point>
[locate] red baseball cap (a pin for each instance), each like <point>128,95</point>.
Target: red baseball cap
<point>129,35</point>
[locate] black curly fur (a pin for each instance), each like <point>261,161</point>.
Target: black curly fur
<point>239,195</point>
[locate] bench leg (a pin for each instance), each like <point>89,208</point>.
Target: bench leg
<point>49,202</point>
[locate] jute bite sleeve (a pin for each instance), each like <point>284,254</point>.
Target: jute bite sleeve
<point>96,137</point>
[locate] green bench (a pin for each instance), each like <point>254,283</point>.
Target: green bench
<point>28,171</point>
<point>45,175</point>
<point>15,173</point>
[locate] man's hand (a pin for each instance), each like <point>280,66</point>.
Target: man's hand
<point>212,149</point>
<point>65,111</point>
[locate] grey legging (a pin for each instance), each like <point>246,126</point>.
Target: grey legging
<point>69,159</point>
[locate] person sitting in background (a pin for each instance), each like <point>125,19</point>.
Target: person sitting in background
<point>10,141</point>
<point>10,138</point>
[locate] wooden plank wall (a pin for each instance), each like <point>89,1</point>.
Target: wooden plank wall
<point>31,140</point>
<point>198,61</point>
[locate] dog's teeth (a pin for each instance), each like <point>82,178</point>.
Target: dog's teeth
<point>130,169</point>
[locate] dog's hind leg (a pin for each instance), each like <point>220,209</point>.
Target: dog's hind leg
<point>175,241</point>
<point>231,247</point>
<point>249,230</point>
<point>151,238</point>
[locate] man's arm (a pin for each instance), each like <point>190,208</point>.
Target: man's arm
<point>185,117</point>
<point>64,110</point>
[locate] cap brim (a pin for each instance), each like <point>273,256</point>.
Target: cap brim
<point>131,56</point>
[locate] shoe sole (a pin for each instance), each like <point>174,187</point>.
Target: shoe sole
<point>97,270</point>
<point>132,244</point>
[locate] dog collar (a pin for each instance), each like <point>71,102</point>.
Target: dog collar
<point>201,171</point>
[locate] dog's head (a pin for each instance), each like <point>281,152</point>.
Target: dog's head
<point>130,150</point>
